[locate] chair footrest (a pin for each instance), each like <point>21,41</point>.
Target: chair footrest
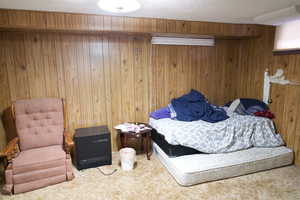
<point>39,174</point>
<point>25,187</point>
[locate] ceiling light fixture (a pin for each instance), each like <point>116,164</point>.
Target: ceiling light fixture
<point>119,6</point>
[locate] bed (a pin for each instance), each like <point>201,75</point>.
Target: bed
<point>198,151</point>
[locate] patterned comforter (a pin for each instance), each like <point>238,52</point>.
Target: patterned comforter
<point>235,133</point>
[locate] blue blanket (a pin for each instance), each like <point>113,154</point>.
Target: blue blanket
<point>194,106</point>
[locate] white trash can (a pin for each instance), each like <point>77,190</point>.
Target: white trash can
<point>127,156</point>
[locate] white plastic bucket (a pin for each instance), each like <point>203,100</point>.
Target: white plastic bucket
<point>127,158</point>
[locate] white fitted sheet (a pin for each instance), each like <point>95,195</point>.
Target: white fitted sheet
<point>198,168</point>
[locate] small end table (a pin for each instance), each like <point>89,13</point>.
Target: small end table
<point>145,136</point>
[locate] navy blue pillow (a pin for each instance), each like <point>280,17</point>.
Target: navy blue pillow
<point>253,102</point>
<point>250,102</point>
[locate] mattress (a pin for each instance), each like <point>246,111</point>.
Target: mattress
<point>199,168</point>
<point>169,149</point>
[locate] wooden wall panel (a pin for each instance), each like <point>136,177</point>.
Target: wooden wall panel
<point>127,78</point>
<point>96,23</point>
<point>227,57</point>
<point>55,21</point>
<point>141,55</point>
<point>98,89</point>
<point>106,78</point>
<point>4,85</point>
<point>16,66</point>
<point>34,65</point>
<point>3,18</point>
<point>50,65</point>
<point>23,19</point>
<point>177,69</point>
<point>115,80</point>
<point>254,58</point>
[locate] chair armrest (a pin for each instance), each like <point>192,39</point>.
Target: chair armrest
<point>68,142</point>
<point>11,150</point>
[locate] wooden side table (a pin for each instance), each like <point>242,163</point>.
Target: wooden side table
<point>145,136</point>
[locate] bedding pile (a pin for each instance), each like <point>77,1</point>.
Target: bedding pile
<point>235,133</point>
<point>194,106</point>
<point>191,107</point>
<point>192,121</point>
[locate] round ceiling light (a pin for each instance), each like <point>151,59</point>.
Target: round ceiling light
<point>119,6</point>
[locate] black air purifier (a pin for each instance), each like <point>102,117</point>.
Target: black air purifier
<point>92,147</point>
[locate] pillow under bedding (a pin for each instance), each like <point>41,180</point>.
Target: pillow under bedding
<point>161,113</point>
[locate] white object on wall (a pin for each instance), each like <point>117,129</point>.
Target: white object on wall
<point>277,78</point>
<point>183,41</point>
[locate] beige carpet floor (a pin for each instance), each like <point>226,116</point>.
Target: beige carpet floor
<point>150,180</point>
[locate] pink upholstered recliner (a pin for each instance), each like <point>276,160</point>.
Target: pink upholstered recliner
<point>40,155</point>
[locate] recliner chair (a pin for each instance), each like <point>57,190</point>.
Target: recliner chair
<point>40,155</point>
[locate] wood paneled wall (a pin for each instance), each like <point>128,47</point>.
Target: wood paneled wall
<point>55,21</point>
<point>177,69</point>
<point>104,79</point>
<point>108,79</point>
<point>255,56</point>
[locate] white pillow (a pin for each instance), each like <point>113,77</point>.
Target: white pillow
<point>234,105</point>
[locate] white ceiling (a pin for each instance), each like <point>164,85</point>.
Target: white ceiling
<point>231,11</point>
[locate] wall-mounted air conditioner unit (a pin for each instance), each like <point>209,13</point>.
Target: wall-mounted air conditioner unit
<point>183,41</point>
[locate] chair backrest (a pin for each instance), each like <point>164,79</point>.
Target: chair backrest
<point>39,122</point>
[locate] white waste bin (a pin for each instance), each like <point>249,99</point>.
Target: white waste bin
<point>127,156</point>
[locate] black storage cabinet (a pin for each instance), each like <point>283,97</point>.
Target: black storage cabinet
<point>92,147</point>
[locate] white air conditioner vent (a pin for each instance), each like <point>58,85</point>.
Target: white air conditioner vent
<point>183,41</point>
